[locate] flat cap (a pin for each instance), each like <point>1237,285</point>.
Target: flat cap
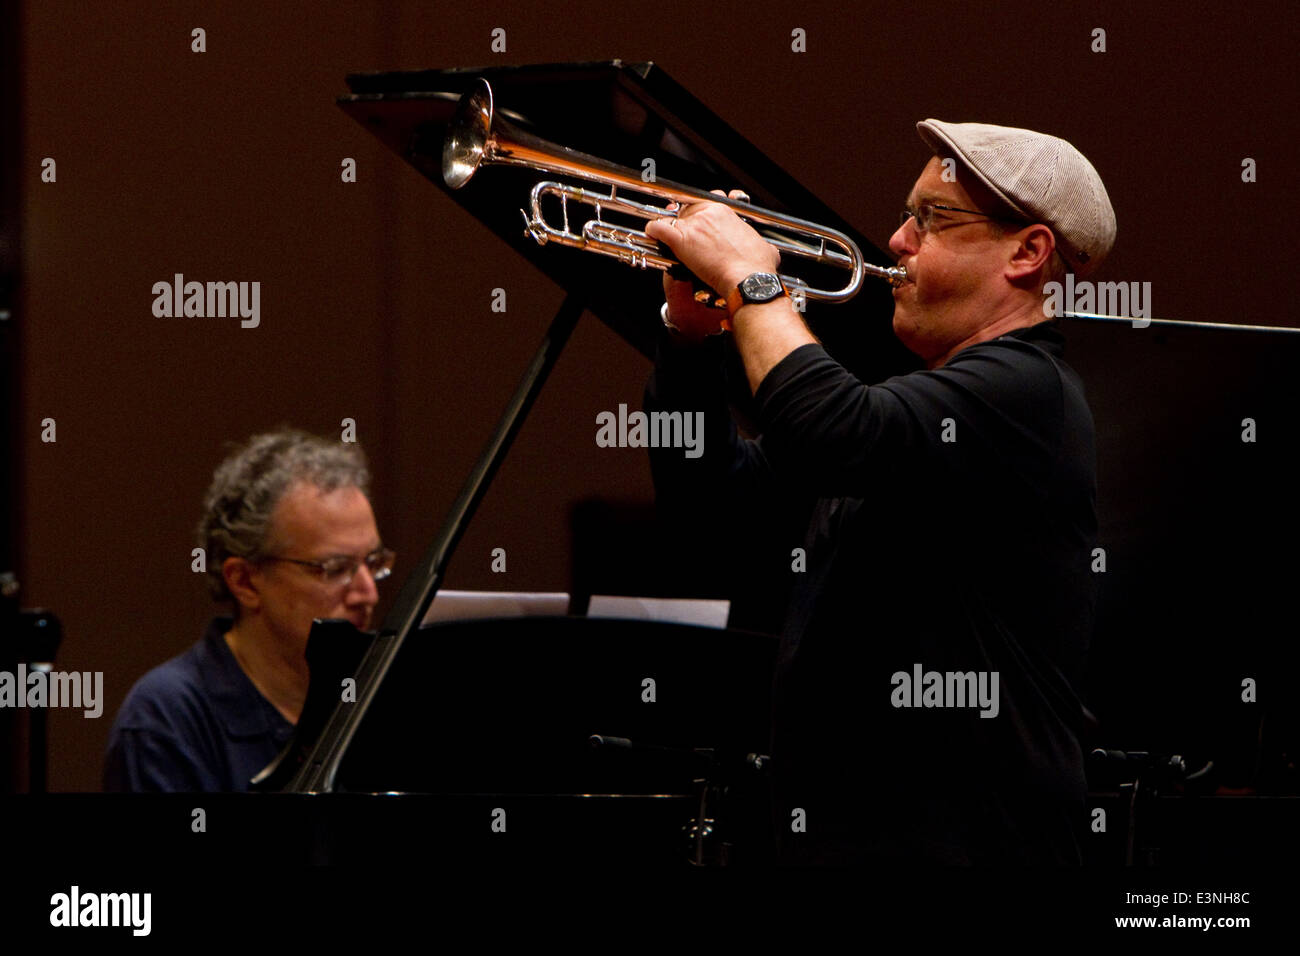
<point>1042,178</point>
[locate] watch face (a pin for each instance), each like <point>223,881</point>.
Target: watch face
<point>760,287</point>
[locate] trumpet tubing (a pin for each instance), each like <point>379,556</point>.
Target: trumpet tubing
<point>475,137</point>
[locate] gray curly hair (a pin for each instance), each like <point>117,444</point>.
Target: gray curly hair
<point>248,485</point>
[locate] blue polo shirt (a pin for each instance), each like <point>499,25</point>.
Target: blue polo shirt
<point>195,723</point>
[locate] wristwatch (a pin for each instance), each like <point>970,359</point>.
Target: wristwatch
<point>757,287</point>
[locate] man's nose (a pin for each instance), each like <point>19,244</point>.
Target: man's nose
<point>901,242</point>
<point>363,589</point>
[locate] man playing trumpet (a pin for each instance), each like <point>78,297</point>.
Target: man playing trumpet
<point>926,702</point>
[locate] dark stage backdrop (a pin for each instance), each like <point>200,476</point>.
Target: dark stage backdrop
<point>376,295</point>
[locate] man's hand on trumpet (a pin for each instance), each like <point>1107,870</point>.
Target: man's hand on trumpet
<point>690,320</point>
<point>722,249</point>
<point>716,244</point>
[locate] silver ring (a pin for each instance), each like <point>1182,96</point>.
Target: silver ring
<point>663,314</point>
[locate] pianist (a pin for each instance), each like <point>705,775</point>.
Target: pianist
<point>289,536</point>
<point>953,511</point>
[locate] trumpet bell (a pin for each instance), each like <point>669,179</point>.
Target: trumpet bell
<point>467,136</point>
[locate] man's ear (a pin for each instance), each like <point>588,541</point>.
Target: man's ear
<point>1035,248</point>
<point>238,574</point>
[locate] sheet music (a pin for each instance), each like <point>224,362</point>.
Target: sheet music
<point>705,613</point>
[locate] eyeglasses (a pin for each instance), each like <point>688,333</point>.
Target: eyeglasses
<point>924,216</point>
<point>339,570</point>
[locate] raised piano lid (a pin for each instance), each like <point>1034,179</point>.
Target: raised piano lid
<point>622,112</point>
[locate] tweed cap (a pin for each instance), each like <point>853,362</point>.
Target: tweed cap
<point>1040,177</point>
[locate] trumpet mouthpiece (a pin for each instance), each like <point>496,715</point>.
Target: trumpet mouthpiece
<point>894,275</point>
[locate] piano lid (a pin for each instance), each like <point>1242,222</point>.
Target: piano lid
<point>624,113</point>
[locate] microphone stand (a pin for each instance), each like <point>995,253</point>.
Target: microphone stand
<point>712,782</point>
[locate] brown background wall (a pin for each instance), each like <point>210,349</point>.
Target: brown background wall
<point>375,295</point>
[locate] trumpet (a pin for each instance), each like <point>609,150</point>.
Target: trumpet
<point>475,137</point>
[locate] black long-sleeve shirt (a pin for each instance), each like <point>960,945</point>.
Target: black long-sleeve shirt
<point>953,526</point>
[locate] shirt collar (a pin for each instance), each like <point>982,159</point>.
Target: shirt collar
<point>241,708</point>
<point>1046,335</point>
